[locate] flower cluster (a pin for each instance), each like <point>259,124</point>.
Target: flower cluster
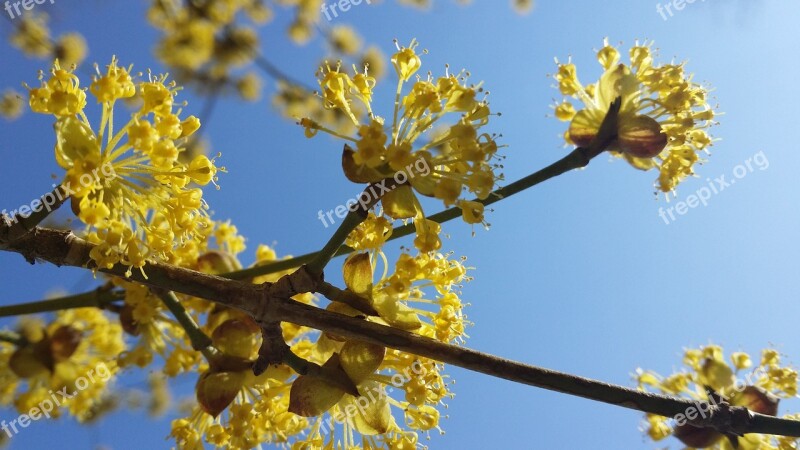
<point>32,36</point>
<point>52,357</point>
<point>295,102</point>
<point>438,122</point>
<point>206,42</point>
<point>11,105</point>
<point>238,409</point>
<point>401,301</point>
<point>663,118</point>
<point>737,381</point>
<point>128,185</point>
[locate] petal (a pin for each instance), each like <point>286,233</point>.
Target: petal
<point>374,414</point>
<point>395,313</point>
<point>617,81</point>
<point>694,437</point>
<point>716,374</point>
<point>758,400</point>
<point>400,203</point>
<point>216,390</point>
<point>584,127</point>
<point>639,163</point>
<point>75,141</point>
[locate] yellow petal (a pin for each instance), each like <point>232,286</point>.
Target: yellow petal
<point>396,313</point>
<point>400,204</point>
<point>374,414</point>
<point>618,81</point>
<point>584,127</point>
<point>716,374</point>
<point>639,163</point>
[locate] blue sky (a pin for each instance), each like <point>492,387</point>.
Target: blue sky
<point>579,274</point>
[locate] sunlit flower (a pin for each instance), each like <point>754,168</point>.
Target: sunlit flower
<point>127,184</point>
<point>11,105</point>
<point>403,300</point>
<point>73,353</point>
<point>759,389</point>
<point>663,118</point>
<point>445,163</point>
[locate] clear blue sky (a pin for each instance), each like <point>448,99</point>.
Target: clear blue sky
<point>579,274</point>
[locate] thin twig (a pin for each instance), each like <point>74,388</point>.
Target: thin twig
<point>96,298</point>
<point>347,297</point>
<point>200,341</point>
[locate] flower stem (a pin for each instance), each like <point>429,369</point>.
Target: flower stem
<point>200,341</point>
<point>97,298</point>
<point>357,214</point>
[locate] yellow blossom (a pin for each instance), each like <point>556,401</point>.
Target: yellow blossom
<point>446,162</point>
<point>663,118</point>
<point>127,184</point>
<point>758,389</point>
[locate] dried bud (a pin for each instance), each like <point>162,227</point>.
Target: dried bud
<point>29,362</point>
<point>757,400</point>
<point>216,390</point>
<point>694,437</point>
<point>63,343</point>
<point>238,337</point>
<point>129,324</point>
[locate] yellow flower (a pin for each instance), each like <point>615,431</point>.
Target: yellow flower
<point>74,352</point>
<point>759,390</point>
<point>663,118</point>
<point>377,372</point>
<point>71,49</point>
<point>203,42</point>
<point>32,36</point>
<point>344,40</point>
<point>434,145</point>
<point>11,104</point>
<point>249,87</point>
<point>127,185</point>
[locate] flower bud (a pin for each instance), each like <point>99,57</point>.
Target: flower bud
<point>694,437</point>
<point>29,362</point>
<point>64,342</point>
<point>216,390</point>
<point>758,400</point>
<point>641,137</point>
<point>238,337</point>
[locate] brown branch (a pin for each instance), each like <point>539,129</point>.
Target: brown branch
<point>269,303</point>
<point>21,222</point>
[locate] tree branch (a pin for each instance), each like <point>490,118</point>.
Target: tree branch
<point>270,302</point>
